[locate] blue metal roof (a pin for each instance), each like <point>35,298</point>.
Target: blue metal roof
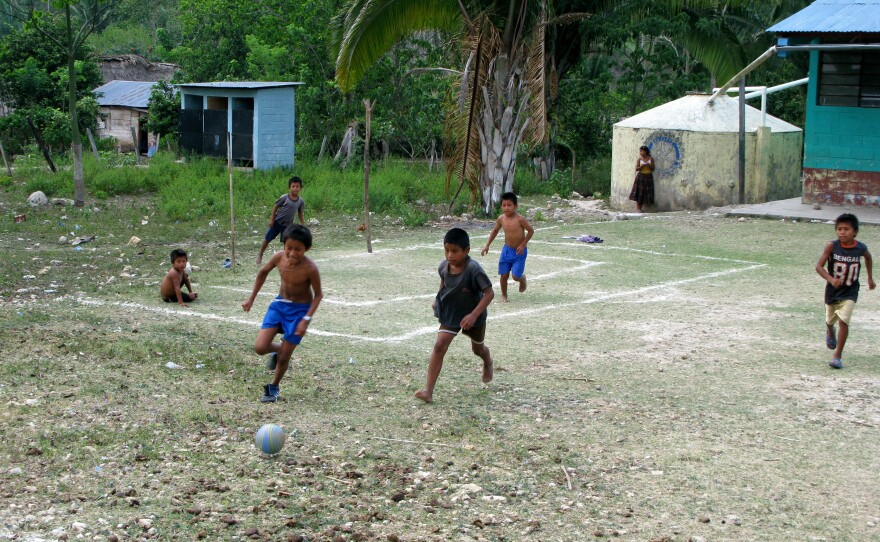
<point>125,93</point>
<point>243,84</point>
<point>833,16</point>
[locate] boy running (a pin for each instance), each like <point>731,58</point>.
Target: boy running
<point>843,258</point>
<point>291,312</point>
<point>285,208</point>
<point>517,232</point>
<point>465,292</point>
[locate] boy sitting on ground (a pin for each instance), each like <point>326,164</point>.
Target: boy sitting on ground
<point>176,278</point>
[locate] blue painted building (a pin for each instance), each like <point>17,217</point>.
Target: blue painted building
<point>258,115</point>
<point>841,137</point>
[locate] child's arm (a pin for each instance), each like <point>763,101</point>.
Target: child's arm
<point>272,218</point>
<point>317,295</point>
<point>187,283</point>
<point>529,232</point>
<point>820,267</point>
<point>175,280</point>
<point>468,321</point>
<point>300,213</point>
<point>869,263</point>
<point>492,235</point>
<point>261,278</point>
<point>638,164</point>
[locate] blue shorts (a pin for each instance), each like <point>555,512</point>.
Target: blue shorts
<point>276,230</point>
<point>511,260</point>
<point>285,315</point>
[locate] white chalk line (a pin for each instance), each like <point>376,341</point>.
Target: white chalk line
<point>601,246</point>
<point>427,329</point>
<point>375,302</point>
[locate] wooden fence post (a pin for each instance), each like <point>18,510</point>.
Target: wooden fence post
<point>368,105</point>
<point>5,162</point>
<point>92,143</point>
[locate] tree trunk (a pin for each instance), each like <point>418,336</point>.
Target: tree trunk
<point>79,184</point>
<point>504,119</point>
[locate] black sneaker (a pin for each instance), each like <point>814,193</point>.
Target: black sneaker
<point>270,393</point>
<point>272,361</point>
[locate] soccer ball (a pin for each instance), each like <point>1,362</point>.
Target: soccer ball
<point>270,439</point>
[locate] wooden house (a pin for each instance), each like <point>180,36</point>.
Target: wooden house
<point>123,109</point>
<point>257,117</point>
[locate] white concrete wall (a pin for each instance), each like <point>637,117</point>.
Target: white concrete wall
<point>697,170</point>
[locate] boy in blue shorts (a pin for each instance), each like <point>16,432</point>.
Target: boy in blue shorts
<point>285,208</point>
<point>291,312</point>
<point>465,292</point>
<point>517,232</point>
<point>844,259</point>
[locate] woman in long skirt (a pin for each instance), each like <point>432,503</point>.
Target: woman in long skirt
<point>643,187</point>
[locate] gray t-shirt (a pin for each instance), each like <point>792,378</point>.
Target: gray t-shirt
<point>287,209</point>
<point>460,294</point>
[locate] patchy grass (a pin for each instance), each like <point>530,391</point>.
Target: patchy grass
<point>669,384</point>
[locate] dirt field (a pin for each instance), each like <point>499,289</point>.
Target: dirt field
<point>669,384</point>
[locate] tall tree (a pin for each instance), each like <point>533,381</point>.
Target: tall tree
<point>80,18</point>
<point>501,102</point>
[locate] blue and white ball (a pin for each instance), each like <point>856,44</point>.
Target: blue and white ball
<point>270,439</point>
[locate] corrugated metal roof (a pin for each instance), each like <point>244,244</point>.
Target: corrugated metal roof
<point>125,93</point>
<point>833,16</point>
<point>242,84</point>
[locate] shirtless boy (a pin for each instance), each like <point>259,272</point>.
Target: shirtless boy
<point>517,232</point>
<point>291,312</point>
<point>176,278</point>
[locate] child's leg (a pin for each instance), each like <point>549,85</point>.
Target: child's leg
<point>435,363</point>
<point>504,287</point>
<point>481,350</point>
<point>263,344</point>
<point>842,334</point>
<point>285,352</point>
<point>262,250</point>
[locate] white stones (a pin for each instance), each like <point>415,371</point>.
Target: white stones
<point>38,198</point>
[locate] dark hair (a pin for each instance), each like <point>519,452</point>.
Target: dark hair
<point>295,179</point>
<point>178,253</point>
<point>457,236</point>
<point>848,218</point>
<point>646,149</point>
<point>509,196</point>
<point>298,232</point>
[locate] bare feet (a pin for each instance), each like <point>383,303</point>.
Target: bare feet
<point>504,298</point>
<point>424,396</point>
<point>522,283</point>
<point>488,371</point>
<point>259,259</point>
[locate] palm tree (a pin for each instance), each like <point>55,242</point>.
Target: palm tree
<point>501,89</point>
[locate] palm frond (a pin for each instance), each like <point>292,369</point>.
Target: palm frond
<point>372,27</point>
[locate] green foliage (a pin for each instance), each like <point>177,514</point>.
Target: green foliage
<point>164,110</point>
<point>127,38</point>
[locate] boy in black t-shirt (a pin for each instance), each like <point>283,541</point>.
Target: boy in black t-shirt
<point>465,292</point>
<point>844,258</point>
<point>283,211</point>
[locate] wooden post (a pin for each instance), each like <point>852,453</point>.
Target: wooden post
<point>368,105</point>
<point>92,143</point>
<point>6,163</point>
<point>137,144</point>
<point>741,163</point>
<point>231,206</point>
<point>323,147</point>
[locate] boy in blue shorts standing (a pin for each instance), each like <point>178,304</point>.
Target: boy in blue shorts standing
<point>517,232</point>
<point>460,305</point>
<point>285,208</point>
<point>844,258</point>
<point>291,312</point>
